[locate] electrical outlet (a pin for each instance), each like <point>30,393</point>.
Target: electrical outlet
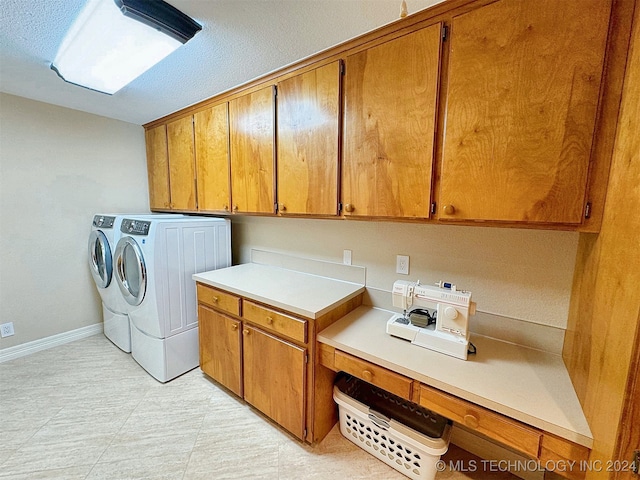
<point>346,257</point>
<point>6,329</point>
<point>402,264</point>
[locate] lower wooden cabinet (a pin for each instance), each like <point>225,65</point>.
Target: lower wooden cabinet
<point>268,357</point>
<point>277,386</point>
<point>221,348</point>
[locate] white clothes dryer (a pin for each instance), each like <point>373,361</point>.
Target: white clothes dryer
<point>105,233</point>
<point>154,262</point>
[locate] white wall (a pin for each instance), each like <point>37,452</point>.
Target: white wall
<point>516,273</point>
<point>57,168</point>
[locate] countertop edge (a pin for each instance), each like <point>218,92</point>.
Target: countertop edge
<point>352,290</point>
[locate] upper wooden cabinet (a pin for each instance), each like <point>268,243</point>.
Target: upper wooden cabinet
<point>500,112</point>
<point>389,126</point>
<point>211,129</point>
<point>180,145</point>
<point>251,120</point>
<point>158,168</point>
<point>307,132</point>
<point>522,95</point>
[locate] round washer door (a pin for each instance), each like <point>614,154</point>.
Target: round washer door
<point>100,259</point>
<point>131,271</point>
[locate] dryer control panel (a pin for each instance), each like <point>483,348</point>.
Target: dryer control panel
<point>103,221</point>
<point>135,227</point>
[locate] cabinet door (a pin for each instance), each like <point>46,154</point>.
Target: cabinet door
<point>158,167</point>
<point>220,348</point>
<point>181,164</point>
<point>211,129</point>
<point>390,114</point>
<point>276,387</point>
<point>308,122</point>
<point>523,86</point>
<point>251,119</point>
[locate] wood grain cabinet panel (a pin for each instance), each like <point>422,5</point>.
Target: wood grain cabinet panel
<point>307,132</point>
<point>275,374</point>
<point>251,120</point>
<point>522,97</point>
<point>493,425</point>
<point>276,322</point>
<point>211,130</point>
<point>218,299</point>
<point>220,341</point>
<point>379,376</point>
<point>180,145</point>
<point>158,167</point>
<point>389,126</point>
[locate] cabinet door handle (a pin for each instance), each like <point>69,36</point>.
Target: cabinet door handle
<point>349,207</point>
<point>235,208</point>
<point>234,327</point>
<point>282,207</point>
<point>471,420</point>
<point>245,331</point>
<point>226,208</point>
<point>367,375</point>
<point>449,209</point>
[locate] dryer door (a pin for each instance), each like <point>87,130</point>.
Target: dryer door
<point>131,271</point>
<point>100,259</point>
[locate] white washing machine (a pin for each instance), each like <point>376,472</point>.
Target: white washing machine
<point>154,262</point>
<point>105,233</point>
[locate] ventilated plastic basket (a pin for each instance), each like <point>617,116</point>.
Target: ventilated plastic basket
<point>412,453</point>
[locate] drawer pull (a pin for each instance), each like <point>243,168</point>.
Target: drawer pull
<point>215,299</point>
<point>471,421</point>
<point>367,375</point>
<point>269,320</point>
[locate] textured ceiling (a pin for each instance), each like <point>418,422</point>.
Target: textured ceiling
<point>240,40</point>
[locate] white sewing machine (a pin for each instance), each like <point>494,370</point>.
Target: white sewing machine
<point>437,319</point>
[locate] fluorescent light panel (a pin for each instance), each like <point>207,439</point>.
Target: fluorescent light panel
<point>113,42</point>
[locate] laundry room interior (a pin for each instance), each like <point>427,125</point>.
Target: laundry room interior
<point>534,376</point>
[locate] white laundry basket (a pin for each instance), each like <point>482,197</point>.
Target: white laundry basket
<point>413,453</point>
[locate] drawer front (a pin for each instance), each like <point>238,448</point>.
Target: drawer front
<point>498,427</point>
<point>276,322</point>
<point>378,376</point>
<point>218,299</point>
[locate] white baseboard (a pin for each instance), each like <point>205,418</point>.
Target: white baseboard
<point>28,348</point>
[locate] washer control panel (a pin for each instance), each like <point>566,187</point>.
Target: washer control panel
<point>135,227</point>
<point>103,221</point>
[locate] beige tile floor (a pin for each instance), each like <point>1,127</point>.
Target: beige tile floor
<point>86,410</point>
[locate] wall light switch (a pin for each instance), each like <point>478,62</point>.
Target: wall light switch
<point>346,257</point>
<point>402,264</point>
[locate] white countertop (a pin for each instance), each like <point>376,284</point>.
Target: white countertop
<point>522,383</point>
<point>310,296</point>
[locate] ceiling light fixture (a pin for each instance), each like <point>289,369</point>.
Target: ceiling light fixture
<point>112,42</point>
